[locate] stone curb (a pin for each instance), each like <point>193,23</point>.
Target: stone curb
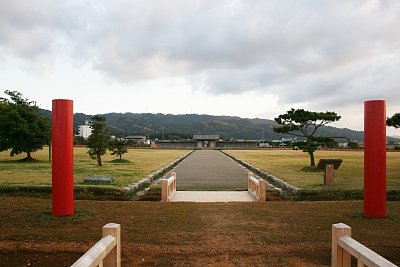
<point>155,175</point>
<point>277,182</point>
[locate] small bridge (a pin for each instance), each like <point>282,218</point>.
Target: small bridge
<point>255,192</point>
<point>211,176</point>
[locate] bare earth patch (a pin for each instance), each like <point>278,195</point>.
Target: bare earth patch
<point>274,233</point>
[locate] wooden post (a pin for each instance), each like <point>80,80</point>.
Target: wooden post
<point>375,159</point>
<point>340,257</point>
<point>164,190</point>
<point>62,181</point>
<point>113,259</point>
<point>174,182</point>
<point>249,183</point>
<point>329,174</point>
<point>262,187</point>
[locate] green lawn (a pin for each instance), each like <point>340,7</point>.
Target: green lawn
<point>142,162</point>
<point>288,165</point>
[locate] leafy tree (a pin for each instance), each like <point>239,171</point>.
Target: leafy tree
<point>79,140</point>
<point>303,123</point>
<point>22,128</point>
<point>118,147</point>
<point>328,143</point>
<point>353,145</point>
<point>394,121</point>
<point>99,139</point>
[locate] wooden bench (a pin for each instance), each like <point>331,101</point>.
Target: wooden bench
<point>343,247</point>
<point>256,187</point>
<point>106,252</point>
<point>329,165</point>
<point>168,188</point>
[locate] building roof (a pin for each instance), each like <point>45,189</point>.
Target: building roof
<point>135,137</point>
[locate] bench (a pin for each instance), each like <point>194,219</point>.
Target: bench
<point>98,179</point>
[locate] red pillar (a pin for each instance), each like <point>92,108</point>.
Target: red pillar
<point>62,158</point>
<point>375,159</point>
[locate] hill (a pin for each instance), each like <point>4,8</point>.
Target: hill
<point>185,125</point>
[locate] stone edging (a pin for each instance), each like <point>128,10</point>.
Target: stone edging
<point>275,181</point>
<point>155,175</point>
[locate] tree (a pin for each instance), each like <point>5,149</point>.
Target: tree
<point>394,121</point>
<point>353,145</point>
<point>79,140</point>
<point>118,147</point>
<point>99,139</point>
<point>22,128</point>
<point>303,123</point>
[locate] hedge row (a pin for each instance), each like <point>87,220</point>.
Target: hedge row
<point>80,192</point>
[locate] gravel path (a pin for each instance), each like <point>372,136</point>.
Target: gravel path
<point>210,170</point>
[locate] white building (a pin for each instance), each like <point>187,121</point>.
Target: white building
<point>84,131</point>
<point>136,139</point>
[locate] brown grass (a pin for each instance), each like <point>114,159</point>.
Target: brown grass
<point>142,162</point>
<point>288,165</point>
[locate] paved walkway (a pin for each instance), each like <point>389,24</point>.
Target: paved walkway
<point>210,170</point>
<point>212,196</point>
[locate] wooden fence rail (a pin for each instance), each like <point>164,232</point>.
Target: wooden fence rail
<point>343,247</point>
<point>106,252</point>
<point>168,188</point>
<point>256,187</point>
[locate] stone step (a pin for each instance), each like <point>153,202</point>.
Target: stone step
<point>212,196</point>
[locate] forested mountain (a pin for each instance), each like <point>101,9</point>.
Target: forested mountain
<point>184,126</point>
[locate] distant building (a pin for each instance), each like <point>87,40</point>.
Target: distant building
<point>207,141</point>
<point>84,130</point>
<point>175,144</point>
<point>263,144</point>
<point>343,144</point>
<point>136,139</point>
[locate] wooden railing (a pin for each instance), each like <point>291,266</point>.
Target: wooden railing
<point>106,252</point>
<point>168,188</point>
<point>256,187</point>
<point>343,247</point>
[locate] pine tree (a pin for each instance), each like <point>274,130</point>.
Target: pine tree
<point>394,121</point>
<point>98,141</point>
<point>303,123</point>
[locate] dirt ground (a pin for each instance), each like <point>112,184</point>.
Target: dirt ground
<point>274,233</point>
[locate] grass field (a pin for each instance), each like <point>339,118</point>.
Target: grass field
<point>288,165</point>
<point>191,234</point>
<point>142,162</point>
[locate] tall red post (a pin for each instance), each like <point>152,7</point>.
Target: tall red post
<point>62,158</point>
<point>375,159</point>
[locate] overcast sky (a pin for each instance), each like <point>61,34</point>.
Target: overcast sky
<point>243,58</point>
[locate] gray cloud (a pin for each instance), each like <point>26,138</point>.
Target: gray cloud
<point>29,29</point>
<point>332,52</point>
